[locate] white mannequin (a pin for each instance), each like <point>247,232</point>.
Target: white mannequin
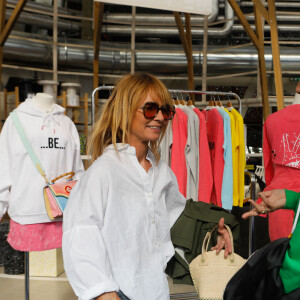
<point>297,95</point>
<point>297,99</point>
<point>43,102</point>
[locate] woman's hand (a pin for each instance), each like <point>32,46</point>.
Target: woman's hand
<point>108,296</point>
<point>223,239</point>
<point>271,200</point>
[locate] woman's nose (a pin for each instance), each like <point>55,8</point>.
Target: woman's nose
<point>159,116</point>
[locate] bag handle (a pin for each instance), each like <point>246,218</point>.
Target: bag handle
<point>27,145</point>
<point>70,174</point>
<point>208,237</point>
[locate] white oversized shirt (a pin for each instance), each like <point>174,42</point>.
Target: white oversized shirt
<point>116,229</point>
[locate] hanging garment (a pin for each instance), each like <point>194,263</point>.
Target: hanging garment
<point>191,152</point>
<point>281,149</point>
<point>215,136</point>
<point>205,176</point>
<point>165,145</point>
<point>234,143</point>
<point>188,233</point>
<point>240,156</point>
<point>178,162</point>
<point>227,182</point>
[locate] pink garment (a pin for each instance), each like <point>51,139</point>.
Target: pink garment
<point>215,136</point>
<point>281,149</point>
<point>178,162</point>
<point>205,172</point>
<point>35,237</point>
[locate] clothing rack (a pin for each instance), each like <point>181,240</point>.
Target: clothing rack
<point>172,91</point>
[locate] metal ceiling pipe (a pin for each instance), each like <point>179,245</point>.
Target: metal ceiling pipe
<point>164,62</point>
<point>42,21</point>
<point>280,18</point>
<point>161,19</point>
<point>286,4</point>
<point>44,7</point>
<point>173,31</point>
<point>280,28</point>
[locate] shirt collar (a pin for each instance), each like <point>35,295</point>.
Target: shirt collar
<point>132,151</point>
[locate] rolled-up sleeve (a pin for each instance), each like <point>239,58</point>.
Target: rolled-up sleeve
<point>85,257</point>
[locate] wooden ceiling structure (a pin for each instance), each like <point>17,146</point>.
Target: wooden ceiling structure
<point>262,15</point>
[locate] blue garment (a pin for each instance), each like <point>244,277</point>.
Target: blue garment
<point>227,183</point>
<point>122,296</point>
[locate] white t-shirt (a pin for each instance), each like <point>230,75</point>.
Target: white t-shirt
<point>116,230</point>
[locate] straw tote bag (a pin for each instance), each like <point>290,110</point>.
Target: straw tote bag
<point>210,272</point>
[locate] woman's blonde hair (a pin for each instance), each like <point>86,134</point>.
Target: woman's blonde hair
<point>116,116</point>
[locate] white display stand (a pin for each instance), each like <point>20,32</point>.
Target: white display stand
<point>72,97</point>
<point>48,263</point>
<point>48,87</point>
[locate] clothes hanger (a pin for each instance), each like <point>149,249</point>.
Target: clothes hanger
<point>190,102</point>
<point>210,105</point>
<point>229,105</point>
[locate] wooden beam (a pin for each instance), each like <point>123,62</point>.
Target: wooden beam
<point>54,46</point>
<point>11,21</point>
<point>276,55</point>
<point>98,21</point>
<point>244,22</point>
<point>262,9</point>
<point>262,63</point>
<point>188,31</point>
<point>181,32</point>
<point>2,25</point>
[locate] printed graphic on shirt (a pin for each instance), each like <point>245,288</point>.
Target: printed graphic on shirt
<point>291,145</point>
<point>53,143</point>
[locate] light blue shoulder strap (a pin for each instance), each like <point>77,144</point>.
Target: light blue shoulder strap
<point>27,145</point>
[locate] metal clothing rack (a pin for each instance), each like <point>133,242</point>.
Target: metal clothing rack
<point>172,91</point>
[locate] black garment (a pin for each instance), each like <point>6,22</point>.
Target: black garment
<point>188,233</point>
<point>259,278</point>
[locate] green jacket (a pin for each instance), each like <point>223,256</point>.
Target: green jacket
<point>188,233</point>
<point>290,269</point>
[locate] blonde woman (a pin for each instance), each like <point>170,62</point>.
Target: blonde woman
<point>116,240</point>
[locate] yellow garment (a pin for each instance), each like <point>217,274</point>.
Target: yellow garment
<point>239,126</point>
<point>235,158</point>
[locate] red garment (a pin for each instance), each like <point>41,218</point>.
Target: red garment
<point>215,136</point>
<point>281,149</point>
<point>178,162</point>
<point>205,172</point>
<point>35,237</point>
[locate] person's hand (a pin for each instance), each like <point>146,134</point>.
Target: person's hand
<point>271,200</point>
<point>223,239</point>
<point>108,296</point>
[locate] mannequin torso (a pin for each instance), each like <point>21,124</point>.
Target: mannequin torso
<point>297,99</point>
<point>43,102</point>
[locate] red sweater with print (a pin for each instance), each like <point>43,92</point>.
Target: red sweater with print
<point>281,149</point>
